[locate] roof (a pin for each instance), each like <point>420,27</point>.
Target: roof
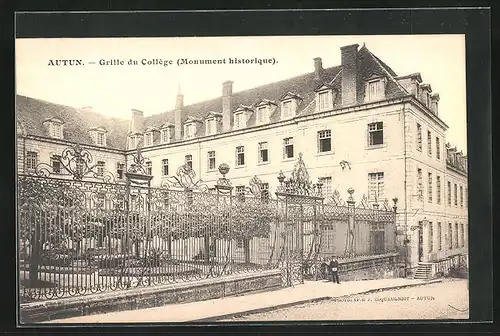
<point>31,113</point>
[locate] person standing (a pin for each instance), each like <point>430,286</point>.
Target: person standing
<point>334,266</point>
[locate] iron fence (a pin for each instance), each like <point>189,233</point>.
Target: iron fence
<point>80,236</point>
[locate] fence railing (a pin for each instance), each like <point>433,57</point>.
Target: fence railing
<point>84,236</point>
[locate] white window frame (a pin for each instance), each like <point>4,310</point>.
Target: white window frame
<point>164,164</point>
<point>240,150</point>
<point>101,138</point>
<point>120,167</point>
<point>440,236</point>
<point>165,135</point>
<point>100,168</point>
<point>420,182</point>
<point>287,112</point>
<point>239,120</point>
<point>325,100</point>
<point>149,167</point>
<point>327,186</point>
<point>438,189</point>
<point>263,146</point>
<point>429,187</point>
<point>438,148</point>
<point>419,137</point>
<point>376,186</point>
<point>31,160</point>
<point>189,131</point>
<point>188,158</point>
<point>322,135</point>
<point>56,130</point>
<point>288,142</point>
<point>56,159</point>
<point>375,89</point>
<point>210,157</point>
<point>374,128</point>
<point>429,143</point>
<point>262,115</point>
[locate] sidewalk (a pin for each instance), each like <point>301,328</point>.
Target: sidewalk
<point>229,306</point>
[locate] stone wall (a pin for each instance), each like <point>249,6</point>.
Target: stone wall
<point>147,297</point>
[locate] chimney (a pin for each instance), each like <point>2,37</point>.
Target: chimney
<point>227,120</point>
<point>179,104</point>
<point>349,74</point>
<point>318,68</point>
<point>434,103</point>
<point>137,122</point>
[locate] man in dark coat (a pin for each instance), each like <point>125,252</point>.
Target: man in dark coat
<point>334,267</point>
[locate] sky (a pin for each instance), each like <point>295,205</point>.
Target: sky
<point>114,90</point>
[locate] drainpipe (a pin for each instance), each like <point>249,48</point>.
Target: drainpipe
<point>405,244</point>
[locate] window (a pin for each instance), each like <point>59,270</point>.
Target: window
<point>119,170</point>
<point>148,139</point>
<point>429,143</point>
<point>211,126</point>
<point>450,237</point>
<point>164,165</point>
<point>287,109</point>
<point>56,164</point>
<point>375,134</point>
<point>100,168</point>
<point>133,142</point>
<point>287,148</point>
<point>100,138</point>
<point>375,90</point>
<point>456,235</point>
<point>239,120</point>
<point>326,187</point>
<point>265,190</point>
<point>461,196</point>
<point>149,168</point>
<point>420,186</point>
<point>262,114</point>
<point>189,131</point>
<point>431,237</point>
<point>325,141</point>
<point>239,243</point>
<point>164,136</point>
<point>439,234</point>
<point>57,130</point>
<point>463,234</point>
<point>419,137</point>
<point>324,99</point>
<point>438,149</point>
<point>429,187</point>
<point>466,198</point>
<point>376,186</point>
<point>211,160</point>
<point>240,156</point>
<point>31,160</point>
<point>263,152</point>
<point>455,194</point>
<point>449,193</point>
<point>240,191</point>
<point>79,166</point>
<point>438,189</point>
<point>188,160</point>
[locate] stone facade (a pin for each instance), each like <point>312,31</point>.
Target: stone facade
<point>403,108</point>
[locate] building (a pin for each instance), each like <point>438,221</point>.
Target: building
<point>357,125</point>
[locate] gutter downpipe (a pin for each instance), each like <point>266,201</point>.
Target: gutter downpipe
<point>405,241</point>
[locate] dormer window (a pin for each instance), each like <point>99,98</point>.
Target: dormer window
<point>262,115</point>
<point>189,131</point>
<point>324,98</point>
<point>98,134</point>
<point>287,109</point>
<point>55,127</point>
<point>289,104</point>
<point>375,89</point>
<point>134,140</point>
<point>167,133</point>
<point>148,139</point>
<point>212,123</point>
<point>239,120</point>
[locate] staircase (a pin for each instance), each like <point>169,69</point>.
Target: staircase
<point>424,271</point>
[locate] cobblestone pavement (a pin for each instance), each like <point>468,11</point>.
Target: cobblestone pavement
<point>445,300</point>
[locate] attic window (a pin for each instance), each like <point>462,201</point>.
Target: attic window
<point>239,120</point>
<point>189,131</point>
<point>148,140</point>
<point>211,126</point>
<point>263,115</point>
<point>325,100</point>
<point>100,138</point>
<point>286,108</point>
<point>55,128</point>
<point>375,89</point>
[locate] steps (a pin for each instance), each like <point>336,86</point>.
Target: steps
<point>424,271</point>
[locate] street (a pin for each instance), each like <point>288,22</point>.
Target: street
<point>445,300</point>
